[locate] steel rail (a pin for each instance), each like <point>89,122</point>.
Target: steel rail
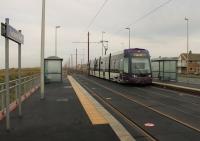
<point>144,105</point>
<point>129,121</point>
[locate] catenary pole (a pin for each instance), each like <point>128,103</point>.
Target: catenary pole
<point>88,53</point>
<point>42,50</point>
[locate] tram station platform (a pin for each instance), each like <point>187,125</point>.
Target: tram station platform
<point>181,86</point>
<point>59,117</point>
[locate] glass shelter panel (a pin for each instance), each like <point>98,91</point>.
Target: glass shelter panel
<point>53,67</point>
<point>53,77</point>
<point>164,69</point>
<point>53,70</point>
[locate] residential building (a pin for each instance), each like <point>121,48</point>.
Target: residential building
<point>193,65</point>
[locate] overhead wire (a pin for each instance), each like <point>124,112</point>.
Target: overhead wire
<point>98,12</point>
<point>146,15</point>
<point>96,15</point>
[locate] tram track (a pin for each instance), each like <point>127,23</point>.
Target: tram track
<point>129,98</point>
<point>171,107</point>
<point>129,121</point>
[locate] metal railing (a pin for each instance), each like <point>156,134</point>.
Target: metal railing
<point>27,83</point>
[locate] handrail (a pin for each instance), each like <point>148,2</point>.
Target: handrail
<point>27,83</point>
<point>18,79</point>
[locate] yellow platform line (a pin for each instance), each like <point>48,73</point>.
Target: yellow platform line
<point>92,112</point>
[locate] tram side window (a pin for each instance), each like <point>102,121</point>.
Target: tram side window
<point>112,66</point>
<point>117,66</point>
<point>96,65</point>
<point>121,65</point>
<point>105,66</point>
<point>125,65</point>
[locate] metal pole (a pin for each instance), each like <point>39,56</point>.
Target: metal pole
<point>81,63</point>
<point>128,28</point>
<point>55,41</point>
<point>42,49</point>
<point>76,59</point>
<point>19,78</point>
<point>102,42</point>
<point>83,56</point>
<point>129,38</point>
<point>69,63</point>
<point>69,68</point>
<point>2,98</point>
<point>7,80</point>
<point>187,44</point>
<point>88,53</point>
<point>72,61</point>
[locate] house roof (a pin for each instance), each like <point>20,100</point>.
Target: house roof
<point>191,56</point>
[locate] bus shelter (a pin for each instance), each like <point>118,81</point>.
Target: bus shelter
<point>164,69</point>
<point>53,69</point>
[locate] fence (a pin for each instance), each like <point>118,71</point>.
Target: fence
<point>27,84</point>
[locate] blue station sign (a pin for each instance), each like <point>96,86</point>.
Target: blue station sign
<point>11,33</point>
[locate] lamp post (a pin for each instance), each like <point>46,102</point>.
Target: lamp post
<point>102,41</point>
<point>187,20</point>
<point>106,47</point>
<point>128,28</point>
<point>42,50</point>
<point>56,39</point>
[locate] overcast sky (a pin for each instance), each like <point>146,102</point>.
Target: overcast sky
<point>163,32</point>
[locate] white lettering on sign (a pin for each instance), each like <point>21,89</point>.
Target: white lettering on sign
<point>14,35</point>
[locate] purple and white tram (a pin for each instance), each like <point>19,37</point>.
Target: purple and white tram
<point>128,66</point>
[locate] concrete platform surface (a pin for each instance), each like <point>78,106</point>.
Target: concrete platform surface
<point>195,86</point>
<point>59,117</point>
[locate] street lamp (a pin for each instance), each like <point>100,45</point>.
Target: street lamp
<point>106,46</point>
<point>187,20</point>
<point>128,28</point>
<point>56,39</point>
<point>102,41</point>
<point>42,51</point>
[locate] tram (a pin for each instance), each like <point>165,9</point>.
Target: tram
<point>128,66</point>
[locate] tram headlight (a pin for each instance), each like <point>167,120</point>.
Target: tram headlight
<point>134,76</point>
<point>149,75</point>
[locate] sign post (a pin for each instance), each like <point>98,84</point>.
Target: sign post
<point>11,33</point>
<point>7,81</point>
<point>19,79</point>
